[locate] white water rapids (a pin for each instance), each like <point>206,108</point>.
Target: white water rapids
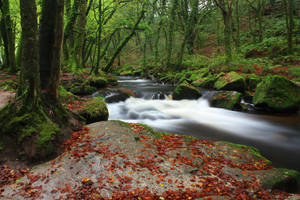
<point>273,135</point>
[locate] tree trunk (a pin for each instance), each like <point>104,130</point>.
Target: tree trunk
<point>171,31</point>
<point>227,16</point>
<point>69,31</point>
<point>51,38</point>
<point>30,58</point>
<point>289,23</point>
<point>237,18</point>
<point>80,34</point>
<point>8,36</point>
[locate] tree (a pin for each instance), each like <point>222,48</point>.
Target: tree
<point>8,36</point>
<point>258,7</point>
<point>289,13</point>
<point>226,9</point>
<point>51,38</point>
<point>36,114</point>
<point>173,9</point>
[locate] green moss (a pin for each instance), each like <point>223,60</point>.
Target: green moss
<point>83,90</point>
<point>231,81</point>
<point>283,179</point>
<point>97,82</point>
<point>254,151</point>
<point>186,91</point>
<point>227,99</point>
<point>205,82</point>
<point>94,110</point>
<point>48,130</point>
<point>277,93</point>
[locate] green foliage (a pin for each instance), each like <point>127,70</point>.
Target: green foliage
<point>195,61</point>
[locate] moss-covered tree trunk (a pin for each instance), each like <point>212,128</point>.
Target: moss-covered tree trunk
<point>173,9</point>
<point>80,33</point>
<point>289,12</point>
<point>227,17</point>
<point>226,9</point>
<point>30,58</point>
<point>8,36</point>
<point>68,44</point>
<point>51,38</point>
<point>237,20</point>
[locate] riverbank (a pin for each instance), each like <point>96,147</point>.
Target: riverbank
<point>116,160</point>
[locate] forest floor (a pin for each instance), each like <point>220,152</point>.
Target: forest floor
<point>116,160</point>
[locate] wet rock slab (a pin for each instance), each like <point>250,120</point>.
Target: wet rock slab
<point>117,160</point>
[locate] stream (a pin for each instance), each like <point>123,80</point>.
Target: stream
<point>276,136</point>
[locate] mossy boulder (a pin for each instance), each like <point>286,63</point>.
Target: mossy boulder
<point>97,82</point>
<point>281,179</point>
<point>186,91</point>
<point>277,93</point>
<point>198,74</point>
<point>94,110</point>
<point>205,82</point>
<point>83,89</point>
<point>226,99</point>
<point>231,81</point>
<point>119,95</point>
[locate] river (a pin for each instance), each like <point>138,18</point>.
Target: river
<point>277,137</point>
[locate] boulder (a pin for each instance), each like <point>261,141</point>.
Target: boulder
<point>94,110</point>
<point>277,93</point>
<point>226,99</point>
<point>231,81</point>
<point>83,89</point>
<point>205,82</point>
<point>186,91</point>
<point>116,160</point>
<point>119,95</point>
<point>98,82</point>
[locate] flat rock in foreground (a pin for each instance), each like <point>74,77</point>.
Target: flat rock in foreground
<point>115,160</point>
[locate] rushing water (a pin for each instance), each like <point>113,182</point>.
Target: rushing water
<point>277,137</point>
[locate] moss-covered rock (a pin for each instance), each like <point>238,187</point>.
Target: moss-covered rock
<point>251,151</point>
<point>186,91</point>
<point>226,99</point>
<point>97,82</point>
<point>276,93</point>
<point>83,89</point>
<point>205,82</point>
<point>94,110</point>
<point>231,81</point>
<point>282,179</point>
